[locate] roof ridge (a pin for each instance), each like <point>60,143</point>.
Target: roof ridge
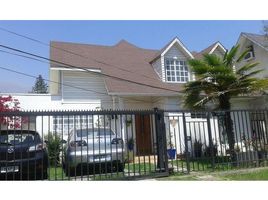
<point>246,33</point>
<point>123,41</point>
<point>82,44</point>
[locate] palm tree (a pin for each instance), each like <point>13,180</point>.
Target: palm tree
<point>217,82</point>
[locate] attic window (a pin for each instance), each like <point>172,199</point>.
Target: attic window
<point>250,54</point>
<point>176,71</point>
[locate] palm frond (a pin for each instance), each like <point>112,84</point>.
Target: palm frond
<point>212,60</point>
<point>245,76</point>
<point>242,55</point>
<point>246,67</point>
<point>229,57</point>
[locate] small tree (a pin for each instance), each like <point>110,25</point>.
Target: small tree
<point>40,86</point>
<point>54,148</point>
<point>217,82</point>
<point>10,104</point>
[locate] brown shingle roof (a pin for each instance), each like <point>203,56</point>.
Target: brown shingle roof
<point>259,39</point>
<point>122,60</point>
<point>204,51</point>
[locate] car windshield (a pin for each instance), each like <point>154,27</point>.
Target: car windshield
<point>96,133</point>
<point>18,138</point>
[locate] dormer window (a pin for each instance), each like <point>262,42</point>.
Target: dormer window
<point>176,70</point>
<point>250,55</point>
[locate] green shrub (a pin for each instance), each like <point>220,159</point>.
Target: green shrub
<point>53,143</point>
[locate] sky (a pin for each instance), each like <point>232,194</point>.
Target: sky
<point>196,35</point>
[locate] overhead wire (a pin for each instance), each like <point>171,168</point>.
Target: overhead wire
<point>71,52</point>
<point>84,69</point>
<point>59,83</point>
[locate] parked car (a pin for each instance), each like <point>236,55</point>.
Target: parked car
<point>22,155</point>
<point>97,149</point>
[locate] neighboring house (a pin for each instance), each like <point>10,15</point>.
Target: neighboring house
<point>258,45</point>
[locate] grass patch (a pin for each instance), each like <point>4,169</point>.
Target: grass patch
<point>56,173</point>
<point>256,175</point>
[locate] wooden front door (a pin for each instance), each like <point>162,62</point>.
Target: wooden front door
<point>143,135</point>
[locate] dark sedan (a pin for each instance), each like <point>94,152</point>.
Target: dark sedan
<point>23,155</point>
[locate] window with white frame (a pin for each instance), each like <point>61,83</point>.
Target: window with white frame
<point>62,125</point>
<point>176,70</point>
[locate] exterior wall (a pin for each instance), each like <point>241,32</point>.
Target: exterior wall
<point>218,51</point>
<point>47,102</point>
<point>157,65</point>
<point>89,83</point>
<point>54,88</point>
<point>261,56</point>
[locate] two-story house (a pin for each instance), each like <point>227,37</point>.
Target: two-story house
<point>258,46</point>
<point>128,77</point>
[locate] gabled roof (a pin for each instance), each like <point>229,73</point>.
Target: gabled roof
<point>260,40</point>
<point>168,46</point>
<point>123,60</point>
<point>209,50</point>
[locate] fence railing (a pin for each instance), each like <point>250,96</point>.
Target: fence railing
<point>82,145</point>
<point>218,140</point>
<point>107,145</point>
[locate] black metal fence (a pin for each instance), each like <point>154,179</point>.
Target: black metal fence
<point>218,140</point>
<point>82,145</point>
<point>110,145</point>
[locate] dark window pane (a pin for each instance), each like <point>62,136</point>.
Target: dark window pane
<point>167,62</point>
<point>182,79</point>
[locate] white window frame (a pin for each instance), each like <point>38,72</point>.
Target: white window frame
<point>64,124</point>
<point>175,73</point>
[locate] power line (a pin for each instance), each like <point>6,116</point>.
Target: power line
<point>21,73</point>
<point>71,52</point>
<point>84,69</point>
<point>32,76</point>
<point>88,90</point>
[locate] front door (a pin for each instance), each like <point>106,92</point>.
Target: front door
<point>143,134</point>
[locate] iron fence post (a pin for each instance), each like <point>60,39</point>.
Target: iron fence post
<point>186,143</point>
<point>211,145</point>
<point>162,161</point>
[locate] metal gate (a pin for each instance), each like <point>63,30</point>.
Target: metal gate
<point>82,145</point>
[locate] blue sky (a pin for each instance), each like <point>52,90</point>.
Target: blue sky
<point>196,35</point>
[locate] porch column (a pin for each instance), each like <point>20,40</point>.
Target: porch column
<point>121,107</point>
